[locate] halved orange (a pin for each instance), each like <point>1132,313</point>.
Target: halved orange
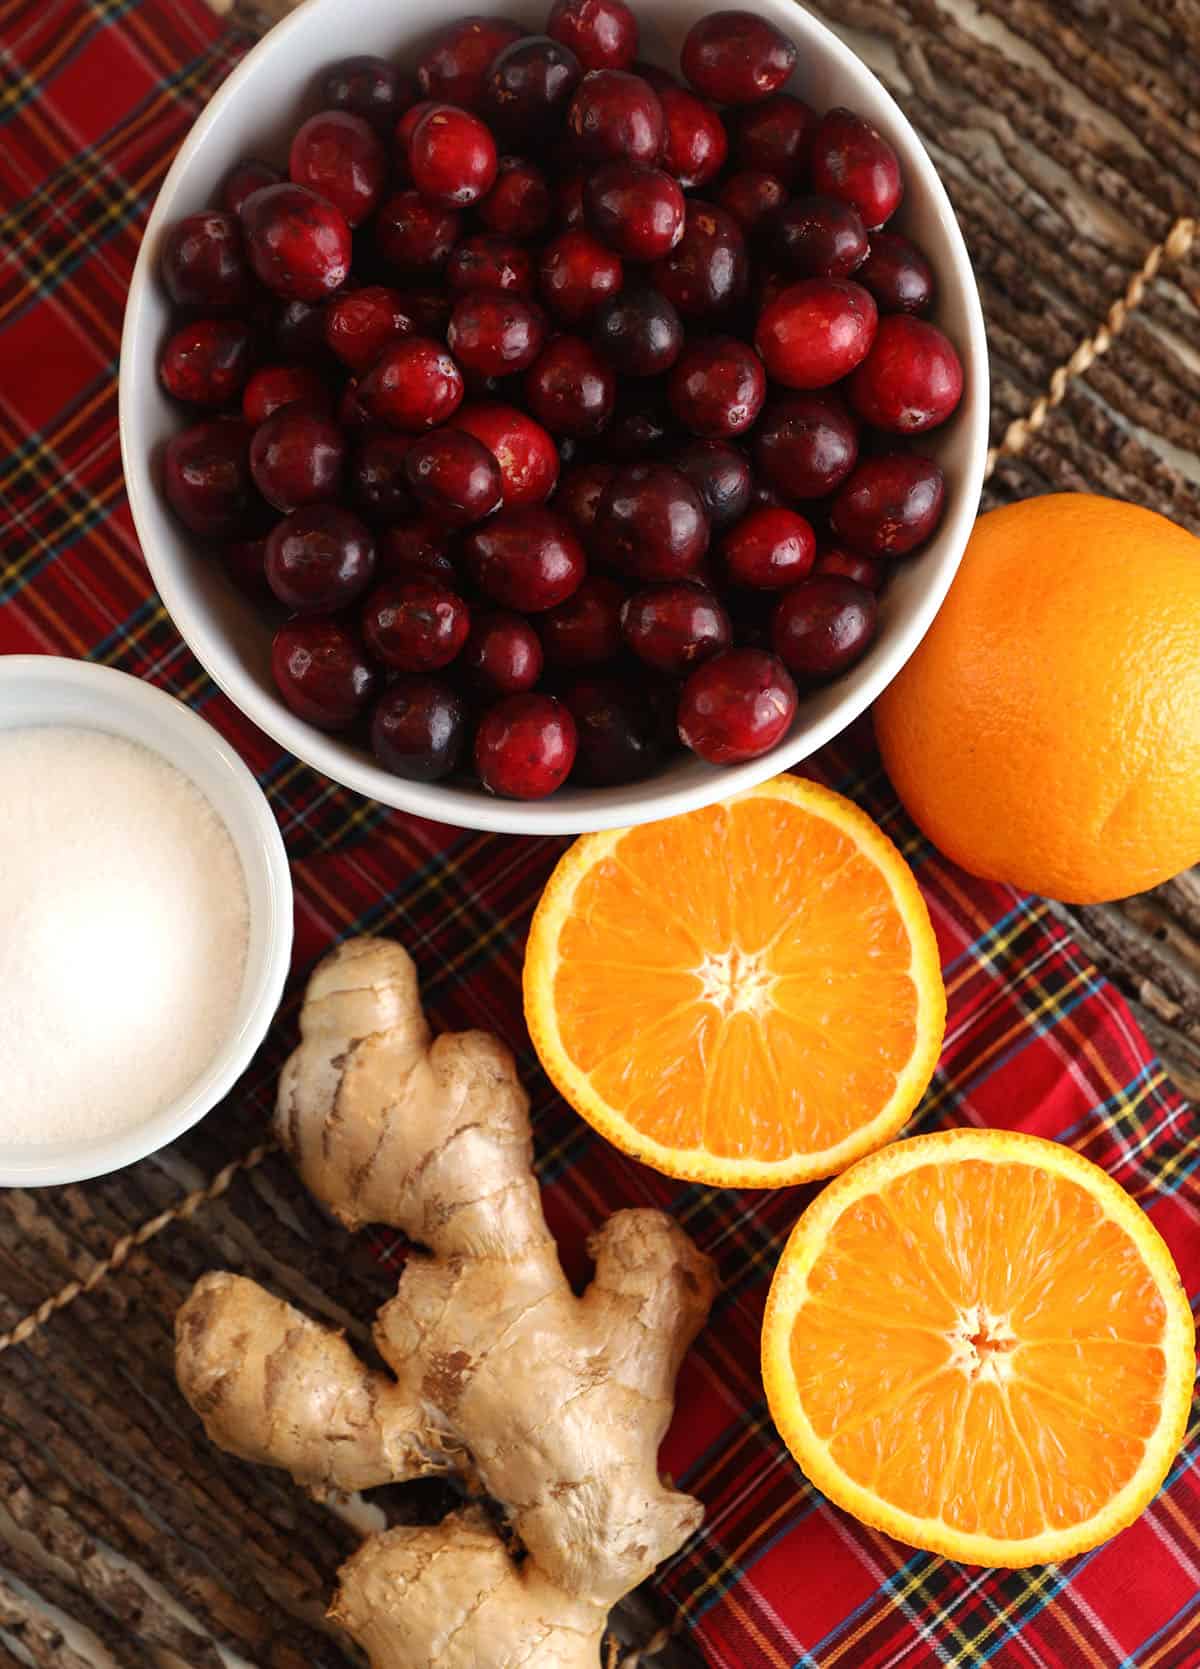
<point>747,995</point>
<point>977,1342</point>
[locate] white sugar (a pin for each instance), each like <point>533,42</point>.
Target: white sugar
<point>123,931</point>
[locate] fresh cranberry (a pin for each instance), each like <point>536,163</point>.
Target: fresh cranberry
<point>736,706</point>
<point>586,629</point>
<point>818,237</point>
<point>524,450</point>
<point>341,158</point>
<point>721,476</point>
<point>378,486</point>
<point>452,157</point>
<point>274,386</point>
<point>206,475</point>
<point>695,143</point>
<point>296,457</point>
<point>570,388</point>
<point>569,203</point>
<point>639,211</point>
<point>319,559</point>
<point>526,559</point>
<point>518,205</point>
<point>206,363</point>
<point>823,626</point>
<point>806,445</point>
<point>414,625</point>
<point>603,34</point>
<point>455,67</point>
<point>865,570</point>
<point>360,323</point>
<point>769,549</point>
<point>495,334</point>
<point>417,236</point>
<point>817,332</point>
<point>453,476</point>
<point>643,424</point>
<point>525,746</point>
<point>851,159</point>
<point>243,180</point>
<point>897,275</point>
<point>675,626</point>
<point>639,332</point>
<point>578,497</point>
<point>418,728</point>
<point>414,384</point>
<point>890,505</point>
<point>708,270</point>
<point>418,548</point>
<point>490,262</point>
<point>617,731</point>
<point>717,388</point>
<point>204,264</point>
<point>528,88</point>
<point>298,243</point>
<point>300,330</point>
<point>321,672</point>
<point>578,273</point>
<point>774,136</point>
<point>372,88</point>
<point>615,116</point>
<point>245,561</point>
<point>736,57</point>
<point>502,654</point>
<point>911,380</point>
<point>651,523</point>
<point>752,198</point>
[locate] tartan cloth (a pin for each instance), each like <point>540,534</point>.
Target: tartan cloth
<point>94,97</point>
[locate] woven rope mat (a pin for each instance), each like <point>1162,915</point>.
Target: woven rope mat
<point>1066,133</point>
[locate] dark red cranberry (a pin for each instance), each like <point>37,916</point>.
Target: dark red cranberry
<point>204,263</point>
<point>490,262</point>
<point>774,136</point>
<point>206,363</point>
<point>736,706</point>
<point>708,270</point>
<point>569,203</point>
<point>321,672</point>
<point>524,450</point>
<point>823,626</point>
<point>578,496</point>
<point>519,204</point>
<point>418,548</point>
<point>378,486</point>
<point>818,237</point>
<point>897,275</point>
<point>890,505</point>
<point>617,730</point>
<point>769,549</point>
<point>413,385</point>
<point>865,570</point>
<point>526,559</point>
<point>300,330</point>
<point>570,388</point>
<point>643,425</point>
<point>454,68</point>
<point>453,476</point>
<point>817,332</point>
<point>603,34</point>
<point>296,457</point>
<point>911,380</point>
<point>372,88</point>
<point>639,211</point>
<point>721,476</point>
<point>298,243</point>
<point>414,625</point>
<point>717,388</point>
<point>274,386</point>
<point>736,57</point>
<point>806,445</point>
<point>452,157</point>
<point>525,746</point>
<point>615,116</point>
<point>752,198</point>
<point>245,561</point>
<point>528,88</point>
<point>418,728</point>
<point>651,523</point>
<point>417,236</point>
<point>243,180</point>
<point>695,143</point>
<point>319,559</point>
<point>851,159</point>
<point>578,273</point>
<point>495,334</point>
<point>341,158</point>
<point>586,629</point>
<point>639,332</point>
<point>502,654</point>
<point>428,308</point>
<point>360,323</point>
<point>206,476</point>
<point>674,627</point>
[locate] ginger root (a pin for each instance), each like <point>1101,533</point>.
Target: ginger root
<point>551,1404</point>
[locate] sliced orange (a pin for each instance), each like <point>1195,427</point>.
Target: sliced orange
<point>748,995</point>
<point>977,1342</point>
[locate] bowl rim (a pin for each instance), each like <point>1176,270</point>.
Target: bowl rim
<point>459,807</point>
<point>111,691</point>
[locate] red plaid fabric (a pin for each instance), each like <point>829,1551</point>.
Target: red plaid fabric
<point>94,97</point>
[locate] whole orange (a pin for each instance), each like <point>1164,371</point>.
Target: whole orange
<point>1047,730</point>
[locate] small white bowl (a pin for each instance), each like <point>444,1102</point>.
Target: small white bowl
<point>252,115</point>
<point>47,690</point>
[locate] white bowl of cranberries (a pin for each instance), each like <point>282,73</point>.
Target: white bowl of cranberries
<point>547,423</point>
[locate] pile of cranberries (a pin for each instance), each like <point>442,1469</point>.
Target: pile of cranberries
<point>559,408</point>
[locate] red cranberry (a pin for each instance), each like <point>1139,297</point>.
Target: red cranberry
<point>651,523</point>
<point>736,706</point>
<point>897,275</point>
<point>206,476</point>
<point>524,450</point>
<point>415,625</point>
<point>695,144</point>
<point>206,363</point>
<point>707,271</point>
<point>300,330</point>
<point>372,88</point>
<point>418,548</point>
<point>819,237</point>
<point>203,263</point>
<point>806,445</point>
<point>503,653</point>
<point>415,235</point>
<point>296,457</point>
<point>518,205</point>
<point>603,34</point>
<point>615,116</point>
<point>413,385</point>
<point>570,388</point>
<point>489,262</point>
<point>639,332</point>
<point>418,728</point>
<point>721,476</point>
<point>360,323</point>
<point>341,158</point>
<point>769,549</point>
<point>911,380</point>
<point>586,629</point>
<point>452,157</point>
<point>823,626</point>
<point>245,562</point>
<point>525,746</point>
<point>529,86</point>
<point>243,180</point>
<point>862,569</point>
<point>617,731</point>
<point>321,672</point>
<point>378,485</point>
<point>495,334</point>
<point>578,497</point>
<point>890,505</point>
<point>639,211</point>
<point>455,67</point>
<point>851,159</point>
<point>453,476</point>
<point>717,388</point>
<point>752,197</point>
<point>299,243</point>
<point>526,559</point>
<point>817,332</point>
<point>281,385</point>
<point>736,57</point>
<point>578,273</point>
<point>319,559</point>
<point>774,136</point>
<point>675,626</point>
